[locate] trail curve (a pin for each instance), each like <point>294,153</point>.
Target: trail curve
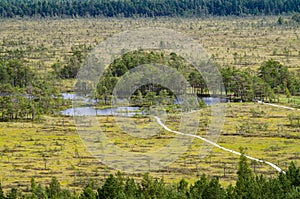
<point>280,106</point>
<point>216,145</point>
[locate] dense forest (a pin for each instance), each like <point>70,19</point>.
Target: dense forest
<point>146,8</point>
<point>248,185</point>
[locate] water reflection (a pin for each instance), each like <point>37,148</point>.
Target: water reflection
<point>127,111</point>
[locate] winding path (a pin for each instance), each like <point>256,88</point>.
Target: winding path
<point>216,145</point>
<point>280,106</point>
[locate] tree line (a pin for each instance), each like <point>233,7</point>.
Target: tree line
<point>247,186</point>
<point>25,94</point>
<point>271,78</point>
<point>145,8</point>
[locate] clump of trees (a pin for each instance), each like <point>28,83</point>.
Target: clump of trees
<point>146,8</point>
<point>27,94</point>
<point>270,79</point>
<point>70,69</point>
<point>152,91</point>
<point>248,185</point>
<point>23,93</point>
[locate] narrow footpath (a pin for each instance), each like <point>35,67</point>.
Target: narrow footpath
<point>216,145</point>
<point>280,106</point>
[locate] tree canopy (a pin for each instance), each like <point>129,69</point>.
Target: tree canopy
<point>23,94</point>
<point>248,185</point>
<point>145,8</point>
<point>244,84</point>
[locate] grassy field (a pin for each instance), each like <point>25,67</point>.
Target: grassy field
<point>52,147</point>
<point>293,101</point>
<point>243,42</point>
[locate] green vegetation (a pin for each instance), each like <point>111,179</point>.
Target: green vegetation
<point>257,56</point>
<point>24,95</point>
<point>146,94</point>
<point>247,186</point>
<point>271,79</point>
<point>70,69</point>
<point>51,147</point>
<point>147,8</point>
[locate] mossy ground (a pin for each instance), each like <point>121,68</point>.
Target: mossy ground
<point>52,147</point>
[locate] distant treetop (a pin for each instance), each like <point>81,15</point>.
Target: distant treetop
<point>145,8</point>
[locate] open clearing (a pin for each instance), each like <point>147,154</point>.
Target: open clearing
<point>242,42</point>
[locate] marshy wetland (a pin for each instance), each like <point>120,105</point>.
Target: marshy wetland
<point>46,144</point>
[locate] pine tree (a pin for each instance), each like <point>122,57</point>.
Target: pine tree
<point>2,195</point>
<point>293,174</point>
<point>87,193</point>
<point>53,190</point>
<point>111,189</point>
<point>245,178</point>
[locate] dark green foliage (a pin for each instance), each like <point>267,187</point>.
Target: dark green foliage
<point>275,74</point>
<point>293,175</point>
<point>146,8</point>
<point>70,70</point>
<point>151,91</point>
<point>13,72</point>
<point>248,186</point>
<point>272,78</point>
<point>246,85</point>
<point>14,193</point>
<point>37,191</point>
<point>296,17</point>
<point>24,95</point>
<point>2,195</point>
<point>53,190</point>
<point>112,188</point>
<point>88,193</point>
<point>207,188</point>
<point>245,181</point>
<point>280,21</point>
<point>131,189</point>
<point>152,188</point>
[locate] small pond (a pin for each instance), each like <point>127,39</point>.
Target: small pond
<point>127,111</point>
